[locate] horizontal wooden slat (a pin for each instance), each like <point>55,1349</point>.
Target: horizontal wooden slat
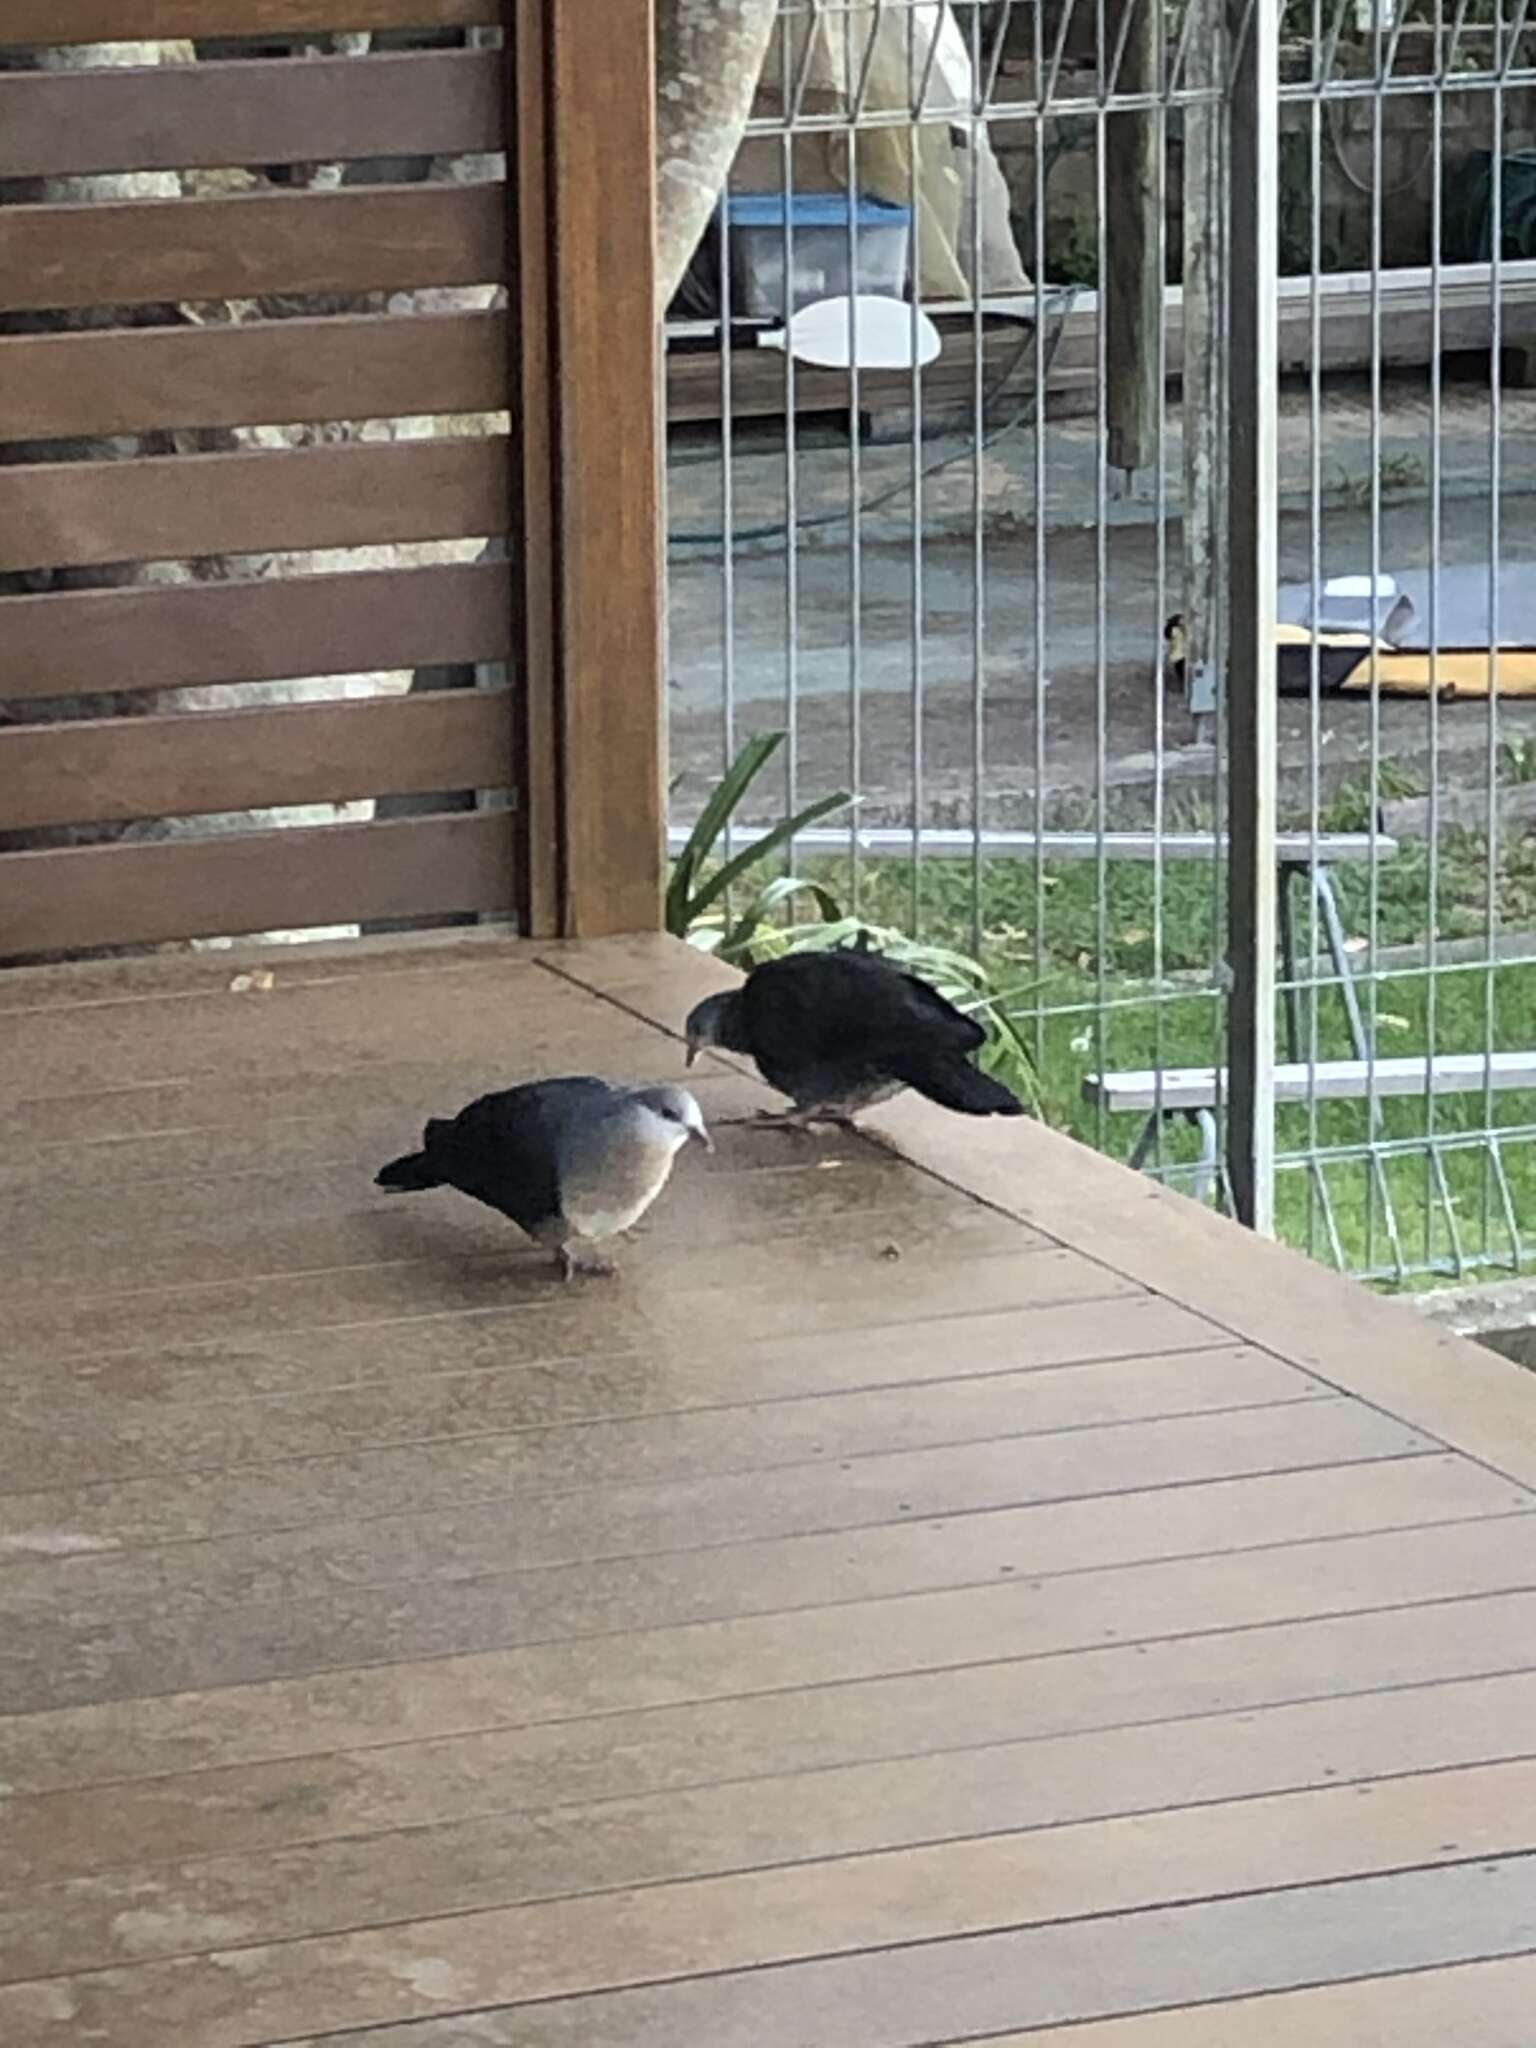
<point>429,1780</point>
<point>255,881</point>
<point>93,21</point>
<point>502,1858</point>
<point>81,643</point>
<point>237,760</point>
<point>91,1437</point>
<point>270,373</point>
<point>1490,2002</point>
<point>69,514</point>
<point>330,109</point>
<point>778,1924</point>
<point>917,1991</point>
<point>146,252</point>
<point>631,1599</point>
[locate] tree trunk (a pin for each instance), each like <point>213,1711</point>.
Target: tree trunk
<point>709,58</point>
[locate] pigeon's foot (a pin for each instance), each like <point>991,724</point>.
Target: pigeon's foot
<point>580,1261</point>
<point>791,1120</point>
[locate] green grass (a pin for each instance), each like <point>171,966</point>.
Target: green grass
<point>1093,992</point>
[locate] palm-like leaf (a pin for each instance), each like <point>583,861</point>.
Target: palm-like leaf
<point>690,893</point>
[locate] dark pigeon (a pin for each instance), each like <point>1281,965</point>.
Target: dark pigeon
<point>838,1031</point>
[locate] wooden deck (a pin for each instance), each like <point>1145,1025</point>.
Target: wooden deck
<point>947,1589</point>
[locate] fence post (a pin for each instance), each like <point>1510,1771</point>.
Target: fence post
<point>1202,385</point>
<point>586,522</point>
<point>1250,699</point>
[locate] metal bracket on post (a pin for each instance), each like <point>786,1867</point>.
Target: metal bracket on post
<point>1252,728</point>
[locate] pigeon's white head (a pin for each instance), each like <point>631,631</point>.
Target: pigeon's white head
<point>679,1115</point>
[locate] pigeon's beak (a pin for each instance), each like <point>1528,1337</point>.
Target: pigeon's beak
<point>704,1138</point>
<point>691,1052</point>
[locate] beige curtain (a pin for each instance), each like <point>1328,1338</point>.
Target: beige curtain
<point>710,57</point>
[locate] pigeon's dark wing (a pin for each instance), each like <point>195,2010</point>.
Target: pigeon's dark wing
<point>844,1001</point>
<point>935,1018</point>
<point>841,1026</point>
<point>827,1026</point>
<point>505,1149</point>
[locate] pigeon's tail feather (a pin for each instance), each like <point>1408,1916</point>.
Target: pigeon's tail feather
<point>408,1175</point>
<point>956,1084</point>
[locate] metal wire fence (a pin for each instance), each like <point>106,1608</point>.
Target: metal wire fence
<point>1168,600</point>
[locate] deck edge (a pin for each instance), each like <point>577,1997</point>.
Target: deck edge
<point>1380,1351</point>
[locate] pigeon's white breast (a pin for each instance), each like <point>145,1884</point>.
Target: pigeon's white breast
<point>601,1203</point>
<point>609,1222</point>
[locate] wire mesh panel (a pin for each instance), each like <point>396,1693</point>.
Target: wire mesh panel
<point>1144,600</point>
<point>1407,651</point>
<point>959,581</point>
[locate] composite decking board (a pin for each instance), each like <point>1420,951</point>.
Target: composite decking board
<point>379,1870</point>
<point>480,1006</point>
<point>72,987</point>
<point>1066,1323</point>
<point>914,1995</point>
<point>856,1569</point>
<point>296,1164</point>
<point>83,1125</point>
<point>856,1613</point>
<point>82,1114</point>
<point>188,1056</point>
<point>159,1241</point>
<point>1414,2009</point>
<point>320,1124</point>
<point>266,1748</point>
<point>818,1567</point>
<point>558,1514</point>
<point>989,1772</point>
<point>630,1618</point>
<point>524,1954</point>
<point>63,1442</point>
<point>421,1289</point>
<point>636,1364</point>
<point>66,1443</point>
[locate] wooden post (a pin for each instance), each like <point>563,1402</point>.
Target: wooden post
<point>587,519</point>
<point>1130,241</point>
<point>1202,394</point>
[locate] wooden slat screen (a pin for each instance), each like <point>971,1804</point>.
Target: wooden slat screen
<point>254,881</point>
<point>206,762</point>
<point>57,385</point>
<point>150,252</point>
<point>276,320</point>
<point>176,117</point>
<point>72,514</point>
<point>91,642</point>
<point>43,22</point>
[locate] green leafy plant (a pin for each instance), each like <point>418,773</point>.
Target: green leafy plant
<point>698,906</point>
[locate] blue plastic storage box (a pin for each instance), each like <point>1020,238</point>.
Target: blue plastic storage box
<point>819,243</point>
